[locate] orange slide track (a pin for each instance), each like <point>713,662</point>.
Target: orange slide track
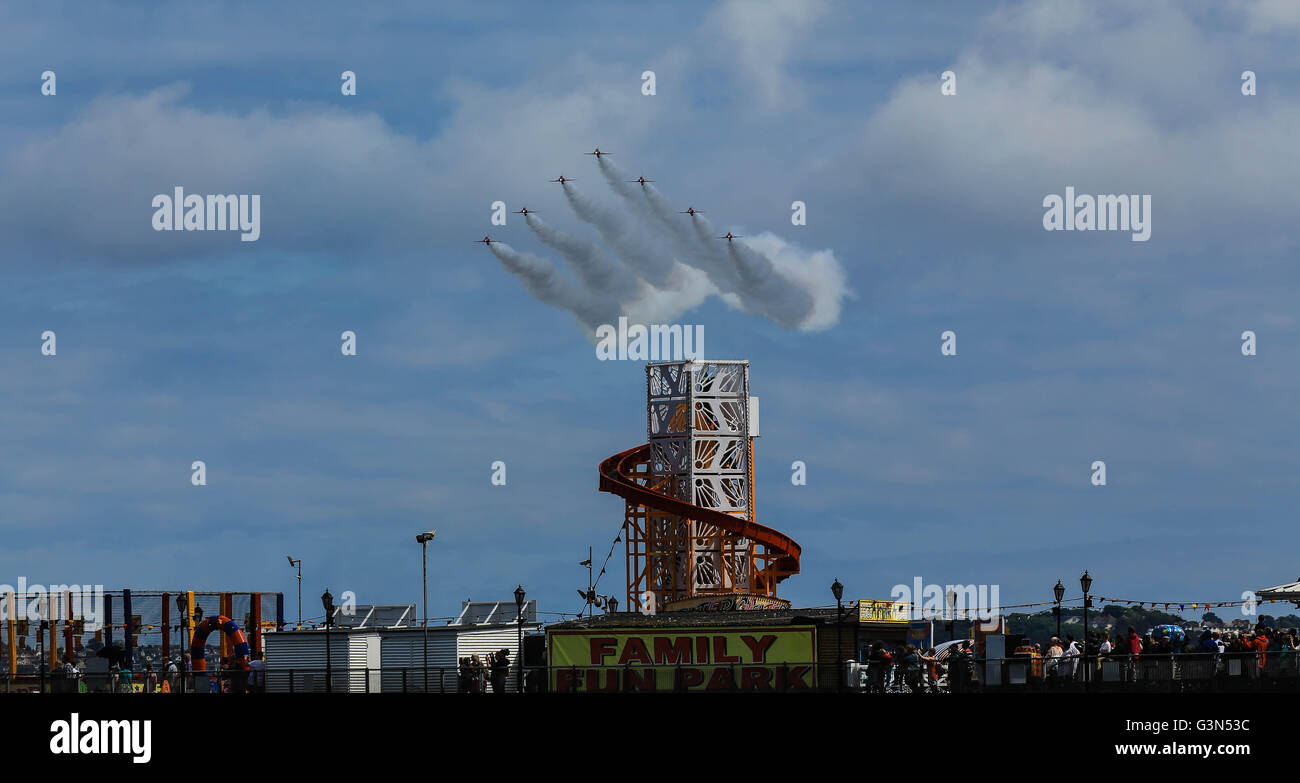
<point>620,475</point>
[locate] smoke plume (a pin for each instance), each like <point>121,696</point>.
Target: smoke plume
<point>656,264</point>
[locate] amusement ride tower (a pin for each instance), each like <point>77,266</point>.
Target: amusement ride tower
<point>689,529</point>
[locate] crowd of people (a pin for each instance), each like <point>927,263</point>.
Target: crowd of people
<point>1211,649</point>
<point>475,674</point>
<point>909,667</point>
<point>1258,652</point>
<point>177,676</point>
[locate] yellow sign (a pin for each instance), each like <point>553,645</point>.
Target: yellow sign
<point>882,612</point>
<point>695,659</point>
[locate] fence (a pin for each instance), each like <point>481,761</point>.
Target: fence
<point>1180,672</point>
<point>1185,672</point>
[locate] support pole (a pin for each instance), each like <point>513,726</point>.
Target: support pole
<point>226,605</point>
<point>68,645</point>
<point>53,662</point>
<point>166,629</point>
<point>255,620</point>
<point>129,628</point>
<point>12,633</point>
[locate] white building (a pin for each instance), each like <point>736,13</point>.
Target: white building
<point>382,649</point>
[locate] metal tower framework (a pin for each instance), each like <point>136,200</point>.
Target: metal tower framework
<point>689,527</point>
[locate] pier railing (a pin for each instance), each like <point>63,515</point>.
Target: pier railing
<point>1184,672</point>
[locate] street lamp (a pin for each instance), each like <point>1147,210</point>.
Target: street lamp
<point>952,615</point>
<point>298,563</point>
<point>40,633</point>
<point>838,590</point>
<point>423,540</point>
<point>519,606</point>
<point>1085,582</point>
<point>182,612</point>
<point>327,601</point>
<point>1059,592</point>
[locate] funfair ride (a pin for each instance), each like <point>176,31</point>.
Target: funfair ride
<point>690,535</point>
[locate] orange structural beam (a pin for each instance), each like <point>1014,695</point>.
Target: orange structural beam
<point>618,476</point>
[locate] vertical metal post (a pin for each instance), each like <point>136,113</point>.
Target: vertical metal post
<point>839,642</point>
<point>424,578</point>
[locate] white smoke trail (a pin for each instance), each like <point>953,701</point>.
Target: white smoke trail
<point>655,275</point>
<point>781,298</point>
<point>545,283</point>
<point>655,268</point>
<point>597,271</point>
<point>686,247</point>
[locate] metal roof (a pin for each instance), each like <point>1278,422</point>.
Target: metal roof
<point>495,613</point>
<point>1286,592</point>
<point>377,616</point>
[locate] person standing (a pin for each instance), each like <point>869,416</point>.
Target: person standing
<point>500,667</point>
<point>911,669</point>
<point>1051,666</point>
<point>1070,657</point>
<point>931,670</point>
<point>1134,650</point>
<point>878,661</point>
<point>257,673</point>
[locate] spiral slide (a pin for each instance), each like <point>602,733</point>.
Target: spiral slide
<point>620,475</point>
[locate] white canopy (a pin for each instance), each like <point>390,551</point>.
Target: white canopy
<point>1286,592</point>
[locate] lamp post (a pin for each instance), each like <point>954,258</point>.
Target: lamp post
<point>40,632</point>
<point>327,601</point>
<point>519,606</point>
<point>1059,592</point>
<point>182,613</point>
<point>298,564</point>
<point>952,615</point>
<point>1085,582</point>
<point>838,590</point>
<point>423,540</point>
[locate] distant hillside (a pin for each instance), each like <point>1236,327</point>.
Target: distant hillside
<point>1116,619</point>
<point>1041,626</point>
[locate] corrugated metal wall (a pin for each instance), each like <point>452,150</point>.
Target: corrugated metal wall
<point>405,650</point>
<point>482,642</point>
<point>304,653</point>
<point>386,653</point>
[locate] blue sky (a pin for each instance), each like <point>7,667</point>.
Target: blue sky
<point>1072,347</point>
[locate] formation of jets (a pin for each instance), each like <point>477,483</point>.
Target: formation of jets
<point>692,211</point>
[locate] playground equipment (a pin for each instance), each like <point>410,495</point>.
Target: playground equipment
<point>688,526</point>
<point>129,619</point>
<point>240,652</point>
